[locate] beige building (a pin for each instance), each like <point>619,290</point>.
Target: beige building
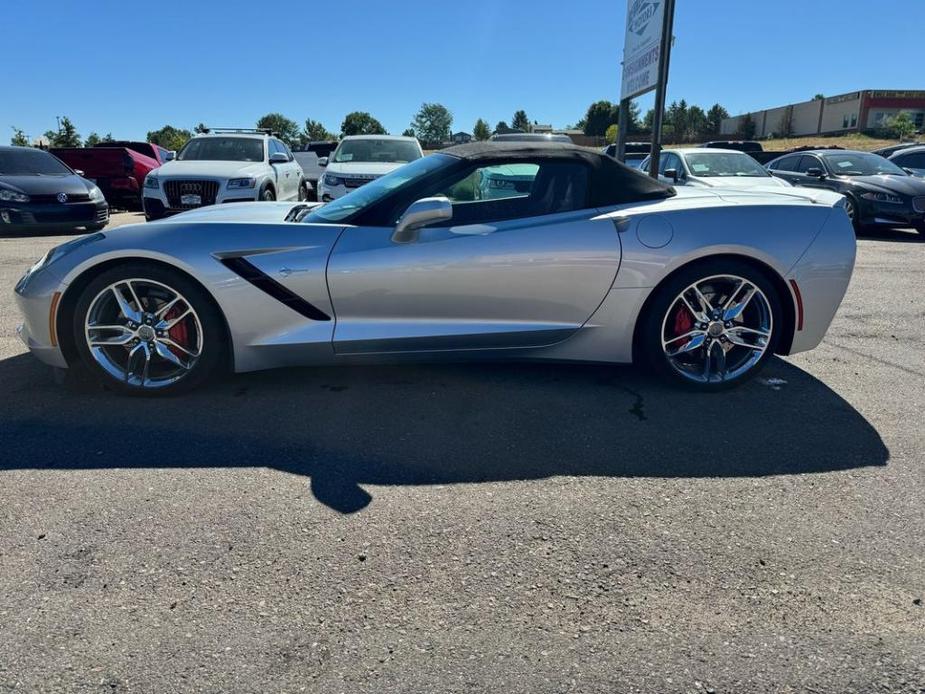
<point>853,112</point>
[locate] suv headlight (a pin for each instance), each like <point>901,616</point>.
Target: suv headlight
<point>242,182</point>
<point>12,196</point>
<point>96,193</point>
<point>331,180</point>
<point>152,182</point>
<point>883,197</point>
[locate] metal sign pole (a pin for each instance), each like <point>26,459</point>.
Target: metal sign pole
<point>661,87</point>
<point>622,128</point>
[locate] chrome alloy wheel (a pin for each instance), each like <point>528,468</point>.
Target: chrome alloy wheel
<point>717,329</point>
<point>143,333</point>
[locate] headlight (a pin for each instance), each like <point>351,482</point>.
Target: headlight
<point>96,193</point>
<point>152,182</point>
<point>883,197</point>
<point>12,196</point>
<point>331,180</point>
<point>242,182</point>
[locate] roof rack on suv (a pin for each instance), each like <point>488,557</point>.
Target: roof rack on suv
<point>264,131</point>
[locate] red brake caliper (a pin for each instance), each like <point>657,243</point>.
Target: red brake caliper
<point>683,322</point>
<point>179,332</point>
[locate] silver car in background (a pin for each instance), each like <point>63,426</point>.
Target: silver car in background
<point>592,261</point>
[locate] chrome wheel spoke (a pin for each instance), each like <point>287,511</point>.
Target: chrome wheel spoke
<point>124,306</point>
<point>695,342</point>
<point>165,353</point>
<point>123,338</point>
<point>161,312</point>
<point>706,306</point>
<point>168,324</point>
<point>168,341</point>
<point>720,360</point>
<point>735,310</point>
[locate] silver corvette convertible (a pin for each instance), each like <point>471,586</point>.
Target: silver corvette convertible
<point>488,250</point>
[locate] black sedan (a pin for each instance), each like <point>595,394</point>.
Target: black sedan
<point>39,192</point>
<point>877,191</point>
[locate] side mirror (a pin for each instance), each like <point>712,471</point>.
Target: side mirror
<point>421,213</point>
<point>322,161</point>
<point>815,172</point>
<point>171,155</point>
<point>279,158</point>
<point>79,173</point>
<point>672,174</point>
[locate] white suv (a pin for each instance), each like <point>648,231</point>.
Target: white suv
<point>224,166</point>
<point>360,159</point>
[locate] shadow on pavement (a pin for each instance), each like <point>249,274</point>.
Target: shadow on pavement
<point>889,234</point>
<point>395,425</point>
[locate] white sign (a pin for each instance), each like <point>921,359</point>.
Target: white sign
<point>642,46</point>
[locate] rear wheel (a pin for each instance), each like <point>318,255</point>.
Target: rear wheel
<point>712,326</point>
<point>303,191</point>
<point>146,329</point>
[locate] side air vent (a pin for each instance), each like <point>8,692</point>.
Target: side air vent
<point>267,284</point>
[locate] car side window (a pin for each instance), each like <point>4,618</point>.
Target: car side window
<point>807,162</point>
<point>273,147</point>
<point>785,164</point>
<point>671,161</point>
<point>501,192</point>
<point>915,160</point>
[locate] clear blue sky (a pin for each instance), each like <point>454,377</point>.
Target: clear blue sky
<point>126,67</point>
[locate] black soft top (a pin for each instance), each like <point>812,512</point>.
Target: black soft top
<point>612,183</point>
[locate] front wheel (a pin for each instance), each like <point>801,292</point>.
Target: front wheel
<point>144,329</point>
<point>851,207</point>
<point>711,326</point>
<point>267,194</point>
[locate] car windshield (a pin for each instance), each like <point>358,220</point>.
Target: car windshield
<point>861,164</point>
<point>376,190</point>
<point>377,150</point>
<point>222,149</point>
<point>31,162</point>
<point>724,164</point>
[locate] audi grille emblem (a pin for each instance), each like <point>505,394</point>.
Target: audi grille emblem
<point>62,197</point>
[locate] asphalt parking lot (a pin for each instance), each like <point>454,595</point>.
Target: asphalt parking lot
<point>490,528</point>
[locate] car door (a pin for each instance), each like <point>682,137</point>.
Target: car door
<point>809,162</point>
<point>283,171</point>
<point>295,172</point>
<point>523,263</point>
<point>785,168</point>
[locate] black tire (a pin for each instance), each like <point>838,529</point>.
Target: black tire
<point>96,227</point>
<point>266,193</point>
<point>213,354</point>
<point>303,191</point>
<point>649,350</point>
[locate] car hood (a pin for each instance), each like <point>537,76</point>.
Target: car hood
<point>369,168</point>
<point>253,212</point>
<point>742,182</point>
<point>217,169</point>
<point>907,185</point>
<point>71,184</point>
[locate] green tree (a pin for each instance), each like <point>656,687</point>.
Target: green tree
<point>408,132</point>
<point>521,122</point>
<point>200,128</point>
<point>65,136</point>
<point>19,138</point>
<point>819,97</point>
<point>676,115</point>
<point>612,131</point>
<point>697,126</point>
<point>502,126</point>
<point>481,131</point>
<point>432,124</point>
<point>715,117</point>
<point>901,125</point>
<point>361,123</point>
<point>600,115</point>
<point>314,131</point>
<point>288,130</point>
<point>92,139</point>
<point>107,138</point>
<point>747,127</point>
<point>635,124</point>
<point>169,137</point>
